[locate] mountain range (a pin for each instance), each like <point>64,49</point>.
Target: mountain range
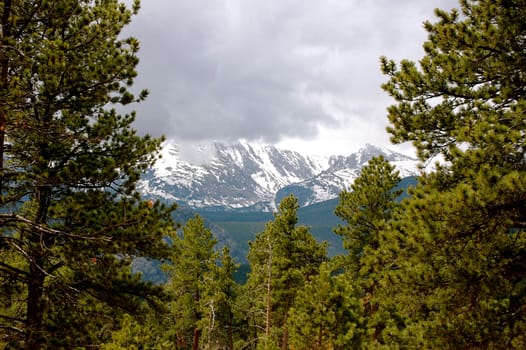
<point>251,178</point>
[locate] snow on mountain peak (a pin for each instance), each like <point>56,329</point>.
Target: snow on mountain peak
<point>244,175</point>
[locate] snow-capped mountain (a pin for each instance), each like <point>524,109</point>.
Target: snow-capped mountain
<point>250,177</point>
<point>341,172</point>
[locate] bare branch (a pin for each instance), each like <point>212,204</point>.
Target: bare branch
<point>29,258</point>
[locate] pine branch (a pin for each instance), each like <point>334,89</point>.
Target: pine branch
<point>42,229</point>
<point>11,318</point>
<point>8,268</point>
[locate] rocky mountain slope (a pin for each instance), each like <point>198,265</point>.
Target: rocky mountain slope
<point>254,178</point>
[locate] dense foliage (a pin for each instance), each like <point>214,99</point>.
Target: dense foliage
<point>71,218</point>
<point>442,268</point>
<point>282,258</point>
<point>460,240</point>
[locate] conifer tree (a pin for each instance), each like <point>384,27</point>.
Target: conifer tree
<point>460,243</point>
<point>217,322</point>
<point>282,258</point>
<point>70,216</point>
<point>326,314</point>
<point>368,208</point>
<point>193,276</point>
<point>226,294</point>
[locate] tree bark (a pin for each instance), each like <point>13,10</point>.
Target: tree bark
<point>5,31</point>
<point>35,307</point>
<point>37,274</point>
<point>195,344</point>
<point>197,313</point>
<point>230,330</point>
<point>268,313</point>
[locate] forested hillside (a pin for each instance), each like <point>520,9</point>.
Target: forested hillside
<point>443,268</point>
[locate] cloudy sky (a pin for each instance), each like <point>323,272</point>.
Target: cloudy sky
<point>301,74</point>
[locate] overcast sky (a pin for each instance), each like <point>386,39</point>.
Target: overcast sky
<point>301,74</point>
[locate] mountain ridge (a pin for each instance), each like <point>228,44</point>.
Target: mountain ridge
<point>247,177</point>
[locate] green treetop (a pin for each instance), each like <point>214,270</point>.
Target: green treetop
<point>468,94</point>
<point>367,207</point>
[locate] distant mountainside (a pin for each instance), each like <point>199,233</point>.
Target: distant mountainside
<point>245,177</point>
<point>341,172</point>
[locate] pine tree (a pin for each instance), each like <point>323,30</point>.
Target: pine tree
<point>368,208</point>
<point>192,273</point>
<point>326,314</point>
<point>226,293</point>
<point>71,217</point>
<point>282,258</point>
<point>220,292</point>
<point>460,243</point>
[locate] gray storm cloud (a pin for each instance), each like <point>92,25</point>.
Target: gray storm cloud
<point>267,70</point>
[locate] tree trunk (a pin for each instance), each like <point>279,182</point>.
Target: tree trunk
<point>35,307</point>
<point>195,344</point>
<point>197,315</point>
<point>230,330</point>
<point>4,70</point>
<point>285,335</point>
<point>268,313</point>
<point>35,289</point>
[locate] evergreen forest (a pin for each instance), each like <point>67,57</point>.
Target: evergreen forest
<point>442,268</point>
